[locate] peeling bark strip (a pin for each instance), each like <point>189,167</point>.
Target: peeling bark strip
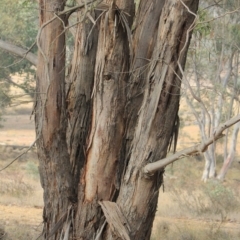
<point>112,115</point>
<point>54,165</point>
<point>156,118</point>
<point>116,220</point>
<point>99,178</point>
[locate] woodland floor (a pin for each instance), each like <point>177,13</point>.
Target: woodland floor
<point>188,209</point>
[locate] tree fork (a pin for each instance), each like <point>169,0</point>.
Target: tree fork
<point>117,115</point>
<point>99,177</point>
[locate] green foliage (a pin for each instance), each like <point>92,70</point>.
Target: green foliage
<point>235,32</point>
<point>214,47</point>
<point>203,28</point>
<point>70,3</point>
<point>18,22</point>
<point>19,26</point>
<point>32,169</point>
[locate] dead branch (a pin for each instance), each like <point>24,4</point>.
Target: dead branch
<point>151,168</point>
<point>32,58</point>
<point>29,148</point>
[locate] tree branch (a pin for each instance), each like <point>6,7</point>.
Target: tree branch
<point>151,168</point>
<point>32,58</point>
<point>15,159</point>
<point>9,79</point>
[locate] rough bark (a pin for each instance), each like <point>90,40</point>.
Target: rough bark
<point>51,121</point>
<point>156,118</point>
<point>99,178</point>
<point>81,81</point>
<point>113,114</point>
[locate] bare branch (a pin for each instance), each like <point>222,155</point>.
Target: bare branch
<point>220,16</point>
<point>151,168</point>
<point>19,156</point>
<point>186,82</point>
<point>32,58</point>
<point>9,79</point>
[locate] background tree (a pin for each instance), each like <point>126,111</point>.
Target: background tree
<point>213,73</point>
<point>18,27</point>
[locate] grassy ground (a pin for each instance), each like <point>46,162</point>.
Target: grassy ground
<point>20,199</point>
<point>188,209</point>
<point>191,210</point>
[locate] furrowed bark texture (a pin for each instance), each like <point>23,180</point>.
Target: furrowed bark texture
<point>79,100</point>
<point>144,39</point>
<point>115,112</point>
<point>99,178</point>
<point>138,195</point>
<point>54,165</point>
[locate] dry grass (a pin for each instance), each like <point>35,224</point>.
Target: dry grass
<point>15,230</point>
<point>18,130</point>
<point>188,209</point>
<point>20,199</point>
<point>184,210</point>
<point>191,210</point>
<point>190,230</point>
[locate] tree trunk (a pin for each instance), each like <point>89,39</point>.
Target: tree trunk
<point>230,157</point>
<point>115,112</point>
<point>51,120</point>
<point>210,163</point>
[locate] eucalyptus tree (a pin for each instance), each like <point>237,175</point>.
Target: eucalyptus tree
<point>212,92</point>
<point>114,112</point>
<point>18,27</point>
<point>106,118</point>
